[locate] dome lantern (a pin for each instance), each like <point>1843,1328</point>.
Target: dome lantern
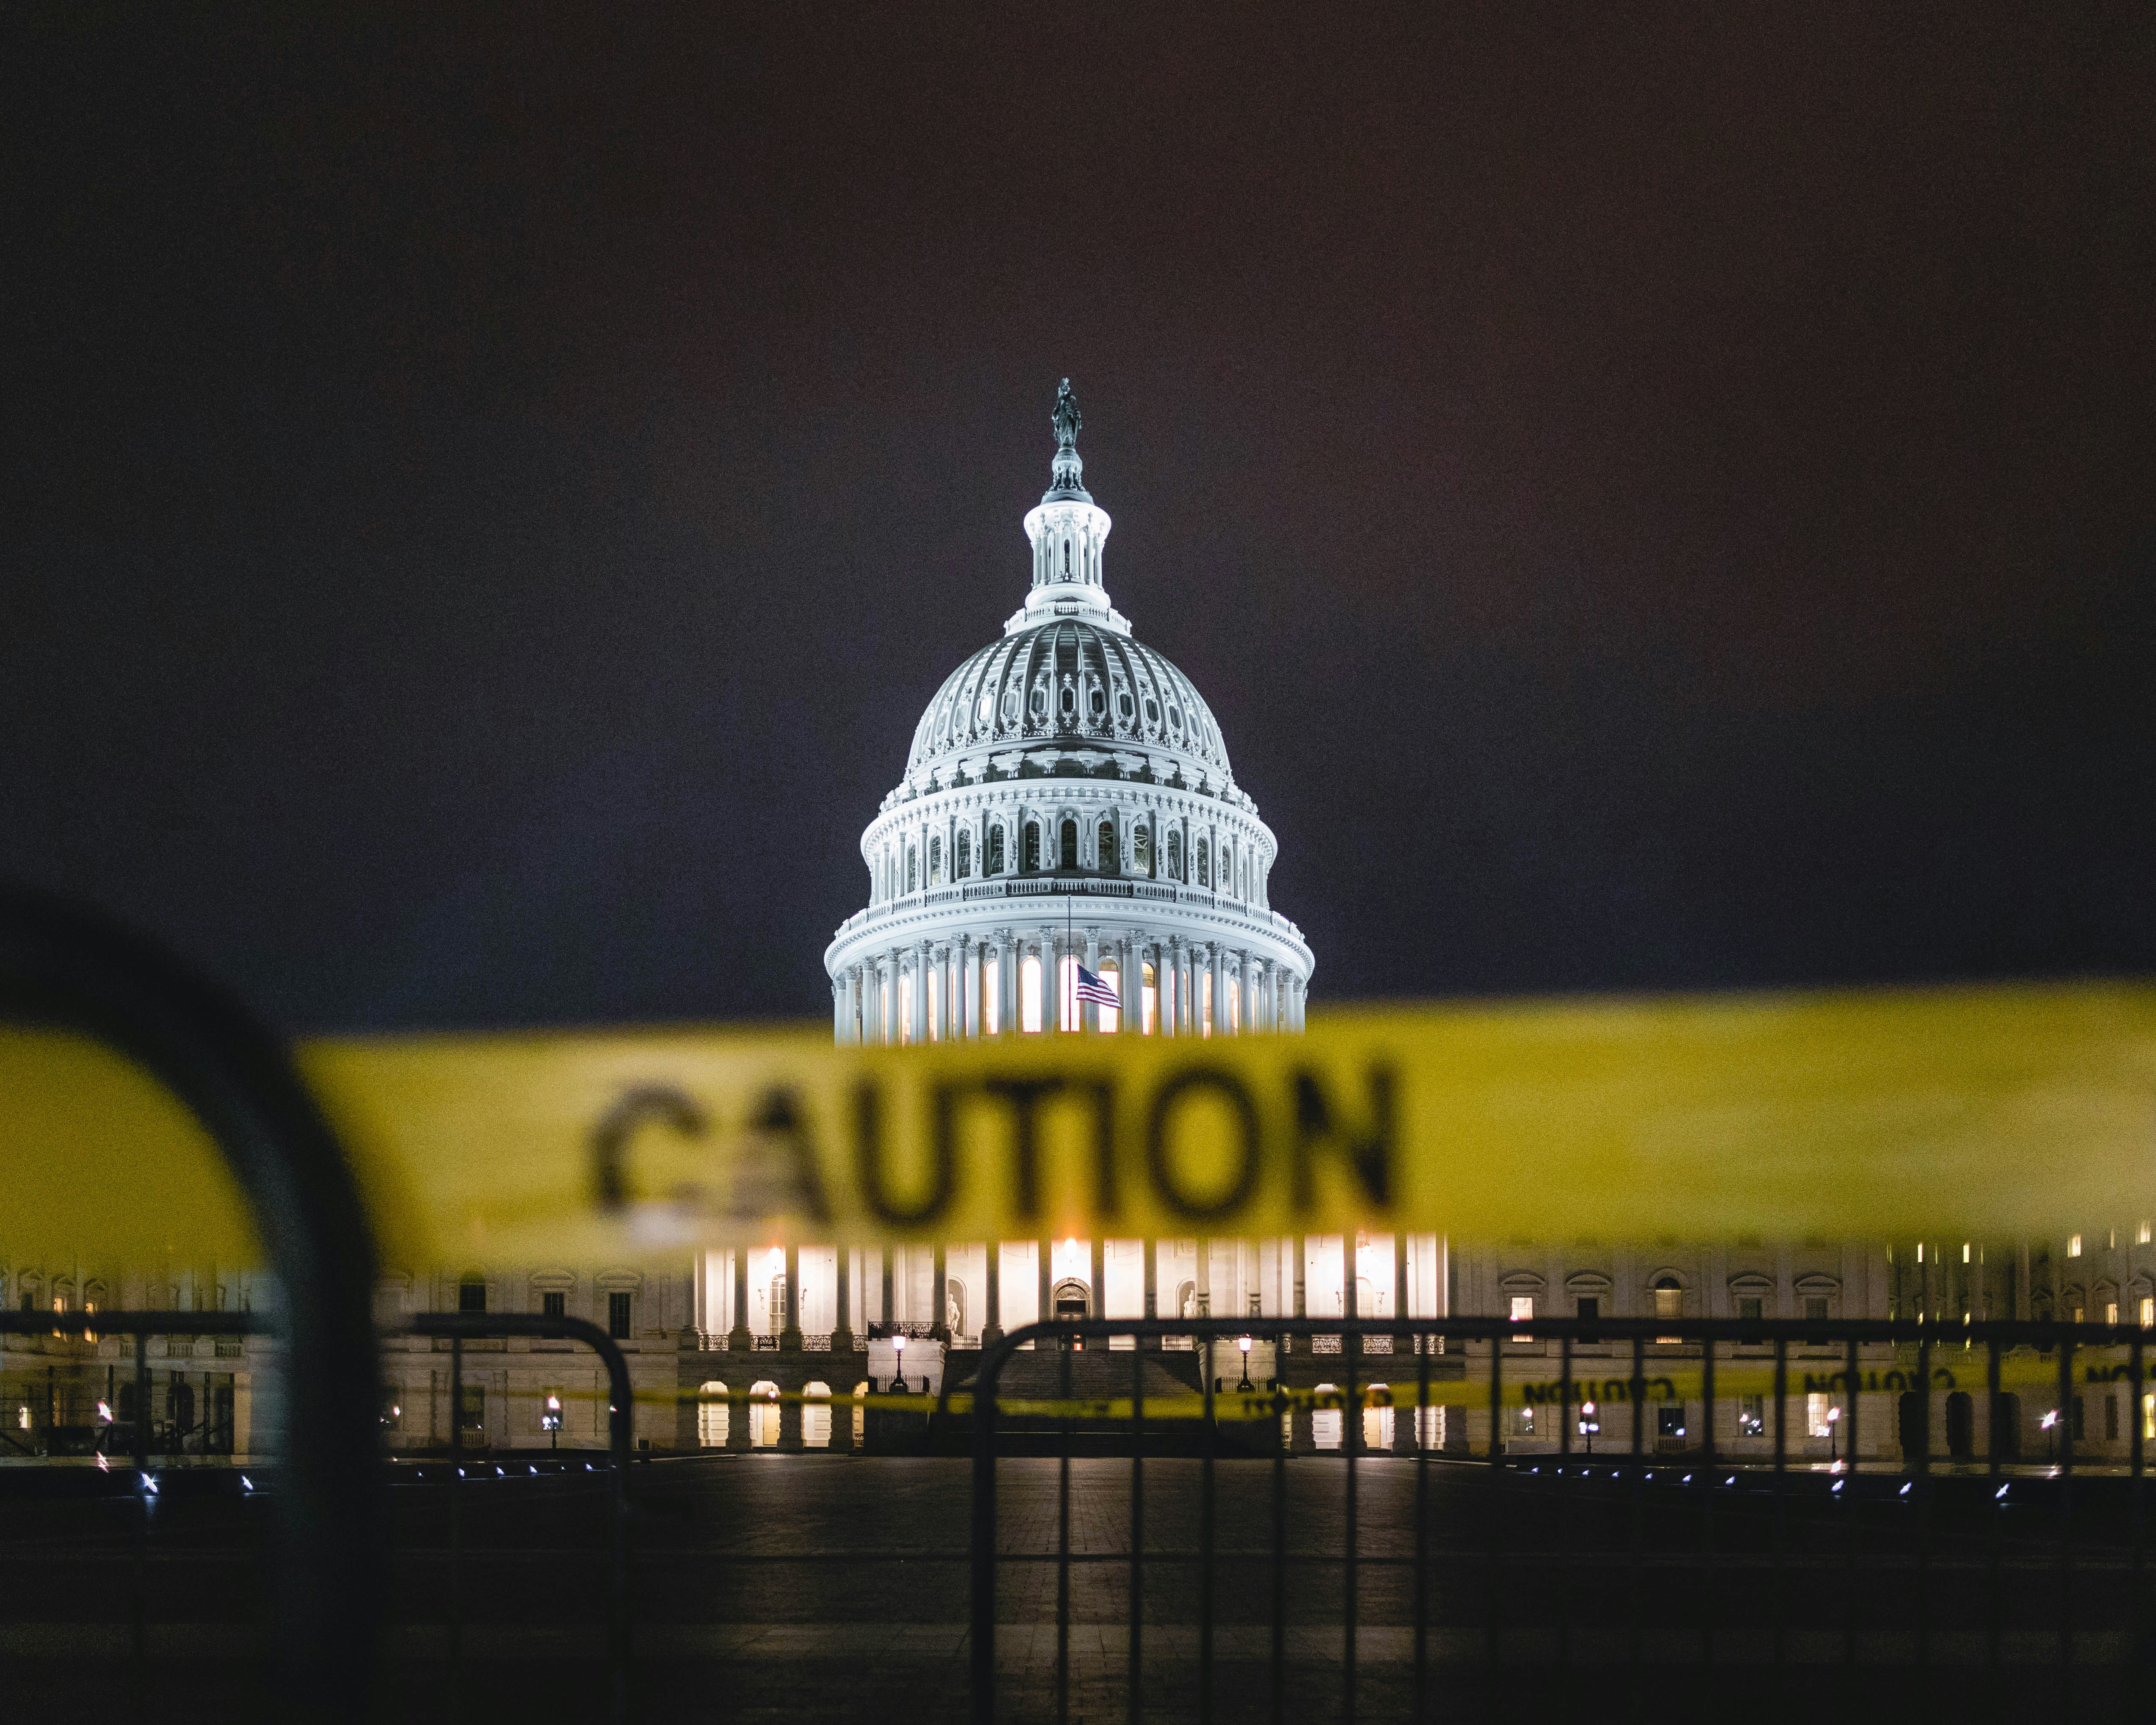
<point>1068,532</point>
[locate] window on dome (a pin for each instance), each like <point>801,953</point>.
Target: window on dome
<point>995,850</point>
<point>1040,700</point>
<point>1175,856</point>
<point>1096,703</point>
<point>1032,857</point>
<point>935,862</point>
<point>1123,705</point>
<point>1069,701</point>
<point>912,868</point>
<point>987,706</point>
<point>965,854</point>
<point>1069,844</point>
<point>1152,710</point>
<point>1111,859</point>
<point>1205,874</point>
<point>1141,849</point>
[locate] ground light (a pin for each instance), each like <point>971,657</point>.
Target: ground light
<point>1243,1343</point>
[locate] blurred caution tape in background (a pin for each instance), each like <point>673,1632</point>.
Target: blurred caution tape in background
<point>2003,1109</point>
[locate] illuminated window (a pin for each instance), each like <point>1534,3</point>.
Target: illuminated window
<point>2144,1233</point>
<point>2111,1311</point>
<point>1029,987</point>
<point>1964,1251</point>
<point>1149,1004</point>
<point>1751,1415</point>
<point>2149,1314</point>
<point>1819,1409</point>
<point>2073,1245</point>
<point>1523,1309</point>
<point>1669,1302</point>
<point>1111,1017</point>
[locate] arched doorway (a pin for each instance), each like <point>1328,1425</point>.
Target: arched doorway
<point>816,1416</point>
<point>2006,1426</point>
<point>1327,1425</point>
<point>1073,1301</point>
<point>763,1414</point>
<point>714,1418</point>
<point>1961,1425</point>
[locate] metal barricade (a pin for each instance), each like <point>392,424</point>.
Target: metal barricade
<point>2008,1579</point>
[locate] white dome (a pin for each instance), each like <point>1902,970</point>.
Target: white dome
<point>1072,683</point>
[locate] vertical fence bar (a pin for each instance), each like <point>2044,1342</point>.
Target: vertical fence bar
<point>1709,1602</point>
<point>2066,1428</point>
<point>984,1536</point>
<point>1921,1484</point>
<point>1205,1551</point>
<point>1998,1514</point>
<point>1495,1594</point>
<point>1637,1490</point>
<point>456,1527</point>
<point>1063,1547</point>
<point>1781,1495</point>
<point>1281,1417</point>
<point>1849,1510</point>
<point>1352,1415</point>
<point>1422,1532</point>
<point>2136,1645</point>
<point>1138,1528</point>
<point>1563,1565</point>
<point>144,1497</point>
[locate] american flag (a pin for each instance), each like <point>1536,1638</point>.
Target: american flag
<point>1092,988</point>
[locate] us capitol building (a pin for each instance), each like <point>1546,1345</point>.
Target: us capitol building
<point>1067,801</point>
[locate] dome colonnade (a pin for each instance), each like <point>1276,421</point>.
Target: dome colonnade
<point>1068,800</point>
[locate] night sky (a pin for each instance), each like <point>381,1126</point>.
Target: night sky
<point>1653,500</point>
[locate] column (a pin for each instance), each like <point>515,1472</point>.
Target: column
<point>1163,988</point>
<point>1043,1260</point>
<point>940,1295</point>
<point>1007,958</point>
<point>1097,1296</point>
<point>838,1010</point>
<point>950,1016</point>
<point>1090,1016</point>
<point>1130,985</point>
<point>1193,1013</point>
<point>1404,1418</point>
<point>842,1322</point>
<point>1219,1001</point>
<point>1052,981</point>
<point>1152,1289</point>
<point>737,1340</point>
<point>971,949</point>
<point>1251,1025</point>
<point>992,1325</point>
<point>789,1334</point>
<point>923,957</point>
<point>890,1276</point>
<point>892,1022</point>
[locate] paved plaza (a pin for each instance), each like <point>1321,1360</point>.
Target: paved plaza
<point>793,1586</point>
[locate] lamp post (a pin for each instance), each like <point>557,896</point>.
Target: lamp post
<point>1589,1425</point>
<point>1833,1426</point>
<point>898,1345</point>
<point>550,1421</point>
<point>1244,1343</point>
<point>2050,1423</point>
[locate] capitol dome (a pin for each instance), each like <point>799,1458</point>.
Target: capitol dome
<point>1068,811</point>
<point>1068,684</point>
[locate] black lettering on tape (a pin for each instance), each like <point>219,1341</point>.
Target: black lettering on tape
<point>1023,1096</point>
<point>869,1158</point>
<point>779,1171</point>
<point>1191,1081</point>
<point>661,1104</point>
<point>1368,1149</point>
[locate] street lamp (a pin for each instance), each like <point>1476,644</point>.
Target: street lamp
<point>1833,1425</point>
<point>1244,1344</point>
<point>898,1345</point>
<point>550,1421</point>
<point>2049,1425</point>
<point>1589,1423</point>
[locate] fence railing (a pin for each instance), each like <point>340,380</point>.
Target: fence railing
<point>1726,1390</point>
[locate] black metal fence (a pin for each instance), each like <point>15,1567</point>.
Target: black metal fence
<point>1605,1547</point>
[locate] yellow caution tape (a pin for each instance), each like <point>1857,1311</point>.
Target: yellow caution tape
<point>2006,1110</point>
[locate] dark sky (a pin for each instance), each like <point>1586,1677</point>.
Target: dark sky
<point>1654,501</point>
